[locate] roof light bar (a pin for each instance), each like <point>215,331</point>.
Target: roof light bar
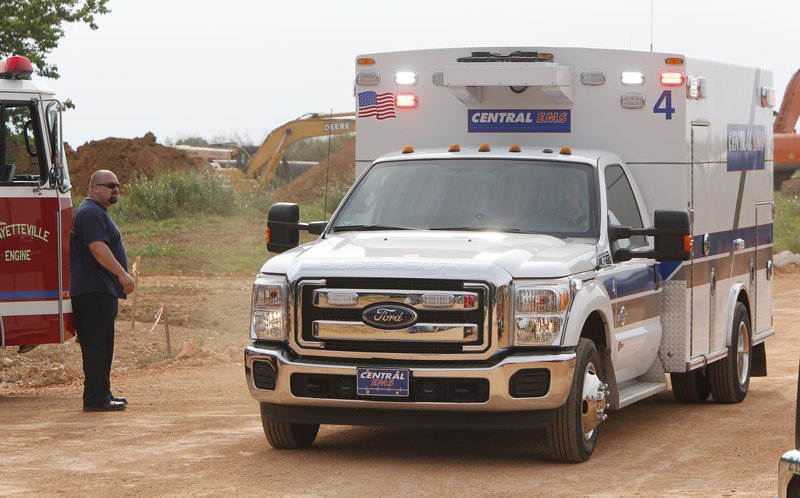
<point>15,67</point>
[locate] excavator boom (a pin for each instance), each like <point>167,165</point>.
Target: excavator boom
<point>264,163</point>
<point>790,107</point>
<point>787,142</point>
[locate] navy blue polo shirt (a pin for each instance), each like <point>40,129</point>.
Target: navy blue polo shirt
<point>92,223</point>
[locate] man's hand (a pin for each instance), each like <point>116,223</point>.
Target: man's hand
<point>127,283</point>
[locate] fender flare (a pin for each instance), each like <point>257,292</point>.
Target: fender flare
<point>592,297</point>
<point>736,290</point>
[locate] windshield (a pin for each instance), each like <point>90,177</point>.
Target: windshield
<point>526,196</point>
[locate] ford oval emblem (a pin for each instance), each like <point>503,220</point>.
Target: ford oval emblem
<point>389,316</point>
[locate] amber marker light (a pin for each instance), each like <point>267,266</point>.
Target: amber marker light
<point>515,148</point>
<point>565,151</point>
<point>408,149</point>
<point>454,148</point>
<point>688,243</point>
<point>266,234</point>
<point>365,61</point>
<point>484,148</point>
<point>674,60</point>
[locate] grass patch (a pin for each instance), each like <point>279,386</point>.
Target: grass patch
<point>209,243</point>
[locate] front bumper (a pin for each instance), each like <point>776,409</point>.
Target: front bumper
<point>280,403</point>
<point>788,469</point>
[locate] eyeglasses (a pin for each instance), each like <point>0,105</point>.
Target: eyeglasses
<point>110,185</point>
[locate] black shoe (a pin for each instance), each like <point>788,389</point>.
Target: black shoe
<point>111,406</point>
<point>119,399</point>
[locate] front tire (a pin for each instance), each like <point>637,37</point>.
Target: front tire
<point>729,378</point>
<point>288,435</point>
<point>572,437</point>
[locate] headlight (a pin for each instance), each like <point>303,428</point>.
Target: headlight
<point>269,318</point>
<point>540,312</point>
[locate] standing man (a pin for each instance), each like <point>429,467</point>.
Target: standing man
<point>99,277</point>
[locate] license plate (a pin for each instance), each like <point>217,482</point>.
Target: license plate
<point>383,382</point>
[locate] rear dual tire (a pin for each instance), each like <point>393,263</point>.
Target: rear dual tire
<point>729,378</point>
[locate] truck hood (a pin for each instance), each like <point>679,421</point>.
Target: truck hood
<point>436,254</point>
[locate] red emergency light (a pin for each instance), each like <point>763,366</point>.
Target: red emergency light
<point>15,67</point>
<point>672,78</point>
<point>406,101</point>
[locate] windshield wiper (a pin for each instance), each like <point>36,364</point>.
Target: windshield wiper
<point>365,228</point>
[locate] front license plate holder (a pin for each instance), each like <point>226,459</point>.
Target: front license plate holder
<point>392,382</point>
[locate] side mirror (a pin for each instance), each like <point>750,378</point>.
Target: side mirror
<point>282,230</point>
<point>283,227</point>
<point>672,233</point>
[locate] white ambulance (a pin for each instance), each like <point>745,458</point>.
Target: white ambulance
<point>537,236</point>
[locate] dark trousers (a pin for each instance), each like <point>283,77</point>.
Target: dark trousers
<point>94,316</point>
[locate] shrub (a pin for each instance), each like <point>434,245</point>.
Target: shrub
<point>174,194</point>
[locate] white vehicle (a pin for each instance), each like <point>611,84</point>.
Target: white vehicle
<point>537,236</point>
<point>789,464</point>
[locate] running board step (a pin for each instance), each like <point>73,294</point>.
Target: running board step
<point>640,390</point>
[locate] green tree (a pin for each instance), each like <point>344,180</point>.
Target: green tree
<point>192,141</point>
<point>33,28</point>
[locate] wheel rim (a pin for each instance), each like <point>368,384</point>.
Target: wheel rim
<point>593,402</point>
<point>743,354</point>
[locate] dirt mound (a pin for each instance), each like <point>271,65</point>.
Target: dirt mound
<point>130,159</point>
<point>311,184</point>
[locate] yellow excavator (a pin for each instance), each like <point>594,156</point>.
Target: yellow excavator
<point>265,162</point>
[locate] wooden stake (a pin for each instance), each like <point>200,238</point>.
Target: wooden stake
<point>135,273</point>
<point>166,329</point>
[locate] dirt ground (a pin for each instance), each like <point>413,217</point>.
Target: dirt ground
<point>192,429</point>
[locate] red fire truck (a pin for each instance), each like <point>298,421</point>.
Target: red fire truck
<point>35,213</point>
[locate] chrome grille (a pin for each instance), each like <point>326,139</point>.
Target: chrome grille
<point>453,330</point>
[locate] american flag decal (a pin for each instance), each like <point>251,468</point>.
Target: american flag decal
<point>378,105</point>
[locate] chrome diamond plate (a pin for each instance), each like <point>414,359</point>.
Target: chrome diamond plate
<point>674,348</point>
